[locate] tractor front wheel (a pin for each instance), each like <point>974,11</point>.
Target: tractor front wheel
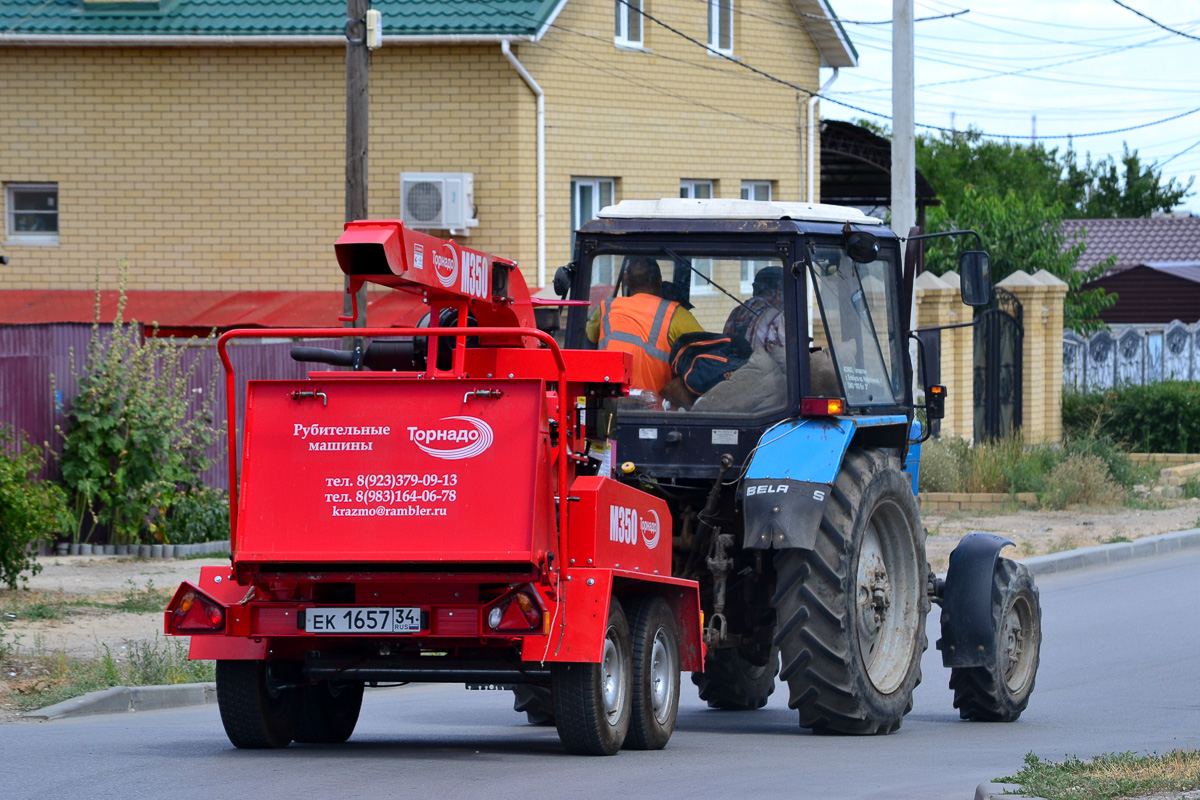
<point>732,683</point>
<point>1000,690</point>
<point>852,610</point>
<point>593,702</point>
<point>536,701</point>
<point>258,707</point>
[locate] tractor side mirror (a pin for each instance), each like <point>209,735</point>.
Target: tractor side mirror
<point>563,277</point>
<point>862,247</point>
<point>975,277</point>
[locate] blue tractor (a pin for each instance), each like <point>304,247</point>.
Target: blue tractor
<point>787,445</point>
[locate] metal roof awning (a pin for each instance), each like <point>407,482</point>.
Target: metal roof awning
<point>200,312</point>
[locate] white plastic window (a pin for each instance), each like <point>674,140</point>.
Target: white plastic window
<point>629,23</point>
<point>699,190</point>
<point>31,213</point>
<point>753,190</point>
<point>720,25</point>
<point>588,196</point>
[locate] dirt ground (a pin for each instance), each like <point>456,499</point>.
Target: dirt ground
<point>83,631</point>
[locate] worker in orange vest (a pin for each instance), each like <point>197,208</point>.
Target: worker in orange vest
<point>643,324</point>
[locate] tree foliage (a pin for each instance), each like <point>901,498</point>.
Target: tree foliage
<point>136,438</point>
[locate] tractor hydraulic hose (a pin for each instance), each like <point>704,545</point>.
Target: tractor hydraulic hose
<point>706,516</point>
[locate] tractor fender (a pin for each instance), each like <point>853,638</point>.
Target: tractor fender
<point>789,477</point>
<point>968,639</point>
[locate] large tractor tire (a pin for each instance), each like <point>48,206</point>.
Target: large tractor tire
<point>852,610</point>
<point>999,691</point>
<point>329,712</point>
<point>536,701</point>
<point>593,703</point>
<point>656,683</point>
<point>256,713</point>
<point>732,683</point>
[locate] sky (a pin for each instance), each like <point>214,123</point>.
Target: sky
<point>1079,66</point>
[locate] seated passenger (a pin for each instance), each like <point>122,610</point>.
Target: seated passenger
<point>643,324</point>
<point>760,319</point>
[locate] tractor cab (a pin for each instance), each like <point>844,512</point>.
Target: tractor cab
<point>800,311</point>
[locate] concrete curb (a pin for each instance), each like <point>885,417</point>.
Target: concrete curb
<point>996,791</point>
<point>130,698</point>
<point>1105,554</point>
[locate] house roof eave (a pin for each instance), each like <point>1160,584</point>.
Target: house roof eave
<point>827,33</point>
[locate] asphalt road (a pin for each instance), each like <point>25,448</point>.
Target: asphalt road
<point>1119,672</point>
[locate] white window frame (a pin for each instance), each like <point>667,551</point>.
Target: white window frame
<point>762,191</point>
<point>692,188</point>
<point>629,19</point>
<point>720,11</point>
<point>23,238</point>
<point>600,188</point>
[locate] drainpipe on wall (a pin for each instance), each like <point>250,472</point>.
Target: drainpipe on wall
<point>541,158</point>
<point>811,195</point>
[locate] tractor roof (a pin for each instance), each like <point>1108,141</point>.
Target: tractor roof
<point>719,209</point>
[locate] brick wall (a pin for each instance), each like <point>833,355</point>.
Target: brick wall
<point>224,167</point>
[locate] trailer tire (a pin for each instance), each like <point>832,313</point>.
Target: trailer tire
<point>852,610</point>
<point>592,702</point>
<point>536,701</point>
<point>999,692</point>
<point>656,680</point>
<point>732,683</point>
<point>255,713</point>
<point>329,712</point>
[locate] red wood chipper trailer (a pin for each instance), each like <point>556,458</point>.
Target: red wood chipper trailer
<point>431,515</point>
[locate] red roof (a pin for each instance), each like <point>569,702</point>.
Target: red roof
<point>204,310</point>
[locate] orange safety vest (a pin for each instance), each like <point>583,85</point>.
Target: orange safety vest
<point>639,325</point>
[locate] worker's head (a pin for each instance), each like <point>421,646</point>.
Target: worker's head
<point>643,275</point>
<point>768,280</point>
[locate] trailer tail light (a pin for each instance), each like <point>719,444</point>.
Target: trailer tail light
<point>196,612</point>
<point>516,612</point>
<point>822,406</point>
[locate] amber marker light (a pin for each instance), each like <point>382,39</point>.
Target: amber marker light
<point>822,406</point>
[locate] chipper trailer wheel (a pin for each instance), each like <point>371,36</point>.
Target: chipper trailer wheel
<point>852,610</point>
<point>536,701</point>
<point>733,683</point>
<point>256,712</point>
<point>656,682</point>
<point>329,711</point>
<point>593,702</point>
<point>999,691</point>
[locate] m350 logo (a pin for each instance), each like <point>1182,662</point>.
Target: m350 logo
<point>625,526</point>
<point>474,435</point>
<point>446,266</point>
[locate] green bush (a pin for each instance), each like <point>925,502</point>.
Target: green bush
<point>1081,480</point>
<point>136,435</point>
<point>942,464</point>
<point>1156,418</point>
<point>30,509</point>
<point>197,515</point>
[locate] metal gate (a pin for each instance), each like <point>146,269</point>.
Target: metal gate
<point>999,337</point>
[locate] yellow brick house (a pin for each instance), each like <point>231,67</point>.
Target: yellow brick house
<point>204,141</point>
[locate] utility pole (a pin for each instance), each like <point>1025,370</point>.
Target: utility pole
<point>357,69</point>
<point>904,153</point>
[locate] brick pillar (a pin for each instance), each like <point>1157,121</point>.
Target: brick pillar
<point>1033,294</point>
<point>958,364</point>
<point>1055,297</point>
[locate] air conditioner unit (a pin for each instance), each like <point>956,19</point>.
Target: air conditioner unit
<point>438,200</point>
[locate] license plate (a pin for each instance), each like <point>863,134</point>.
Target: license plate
<point>358,619</point>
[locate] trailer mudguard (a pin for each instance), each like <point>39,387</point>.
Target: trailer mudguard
<point>968,638</point>
<point>790,475</point>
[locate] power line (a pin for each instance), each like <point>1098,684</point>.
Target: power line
<point>1156,22</point>
<point>1177,155</point>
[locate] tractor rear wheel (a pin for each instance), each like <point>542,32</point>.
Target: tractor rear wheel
<point>256,709</point>
<point>656,684</point>
<point>999,691</point>
<point>593,702</point>
<point>536,701</point>
<point>329,712</point>
<point>733,683</point>
<point>852,610</point>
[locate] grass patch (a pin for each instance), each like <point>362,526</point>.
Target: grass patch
<point>1191,488</point>
<point>1108,777</point>
<point>137,600</point>
<point>39,678</point>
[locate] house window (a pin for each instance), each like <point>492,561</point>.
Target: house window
<point>720,25</point>
<point>701,267</point>
<point>753,190</point>
<point>32,213</point>
<point>588,196</point>
<point>629,23</point>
